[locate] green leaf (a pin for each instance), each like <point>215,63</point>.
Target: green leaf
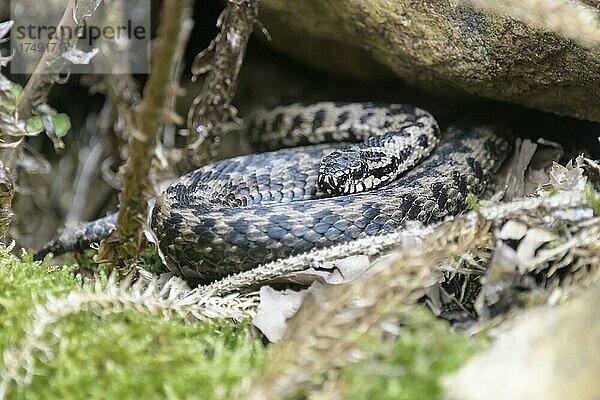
<point>34,125</point>
<point>473,202</point>
<point>16,91</point>
<point>62,124</point>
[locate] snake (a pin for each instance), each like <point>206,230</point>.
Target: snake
<point>326,173</point>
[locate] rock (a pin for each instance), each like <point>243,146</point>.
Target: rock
<point>443,47</point>
<point>550,353</point>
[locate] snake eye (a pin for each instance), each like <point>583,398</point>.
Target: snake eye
<point>358,173</point>
<point>340,171</point>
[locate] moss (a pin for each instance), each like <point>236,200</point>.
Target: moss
<point>553,191</point>
<point>136,356</point>
<point>23,283</point>
<point>126,354</point>
<point>413,366</point>
<point>130,354</point>
<point>592,199</point>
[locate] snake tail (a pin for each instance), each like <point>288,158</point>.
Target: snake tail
<point>78,238</point>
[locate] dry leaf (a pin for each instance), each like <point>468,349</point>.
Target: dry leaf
<point>512,230</point>
<point>275,309</point>
<point>532,241</point>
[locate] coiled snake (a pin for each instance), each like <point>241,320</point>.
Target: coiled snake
<point>317,191</point>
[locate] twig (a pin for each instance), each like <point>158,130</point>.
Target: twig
<point>6,195</point>
<point>224,58</point>
<point>125,242</point>
<point>38,87</point>
<point>176,91</point>
<point>123,91</point>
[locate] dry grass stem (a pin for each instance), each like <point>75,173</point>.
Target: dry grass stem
<point>376,245</point>
<point>172,300</point>
<point>125,243</point>
<point>324,333</point>
<point>223,61</point>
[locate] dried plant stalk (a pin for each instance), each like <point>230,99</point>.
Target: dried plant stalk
<point>6,195</point>
<point>325,332</point>
<point>223,59</point>
<point>50,64</point>
<point>124,244</point>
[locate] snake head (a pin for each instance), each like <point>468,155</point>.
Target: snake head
<point>343,172</point>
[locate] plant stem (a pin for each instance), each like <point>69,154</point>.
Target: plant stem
<point>124,244</point>
<point>213,105</point>
<point>41,81</point>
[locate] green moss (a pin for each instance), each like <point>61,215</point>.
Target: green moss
<point>553,191</point>
<point>151,261</point>
<point>135,356</point>
<point>126,354</point>
<point>592,199</point>
<point>131,354</point>
<point>411,367</point>
<point>25,283</point>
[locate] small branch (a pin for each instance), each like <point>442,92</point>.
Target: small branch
<point>39,85</point>
<point>176,91</point>
<point>123,91</point>
<point>125,242</point>
<point>224,59</point>
<point>6,196</point>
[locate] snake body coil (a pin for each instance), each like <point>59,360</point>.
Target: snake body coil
<point>235,214</point>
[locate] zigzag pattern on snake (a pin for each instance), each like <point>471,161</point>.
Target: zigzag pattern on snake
<point>235,214</point>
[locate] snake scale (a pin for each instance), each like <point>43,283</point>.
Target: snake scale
<point>334,172</point>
